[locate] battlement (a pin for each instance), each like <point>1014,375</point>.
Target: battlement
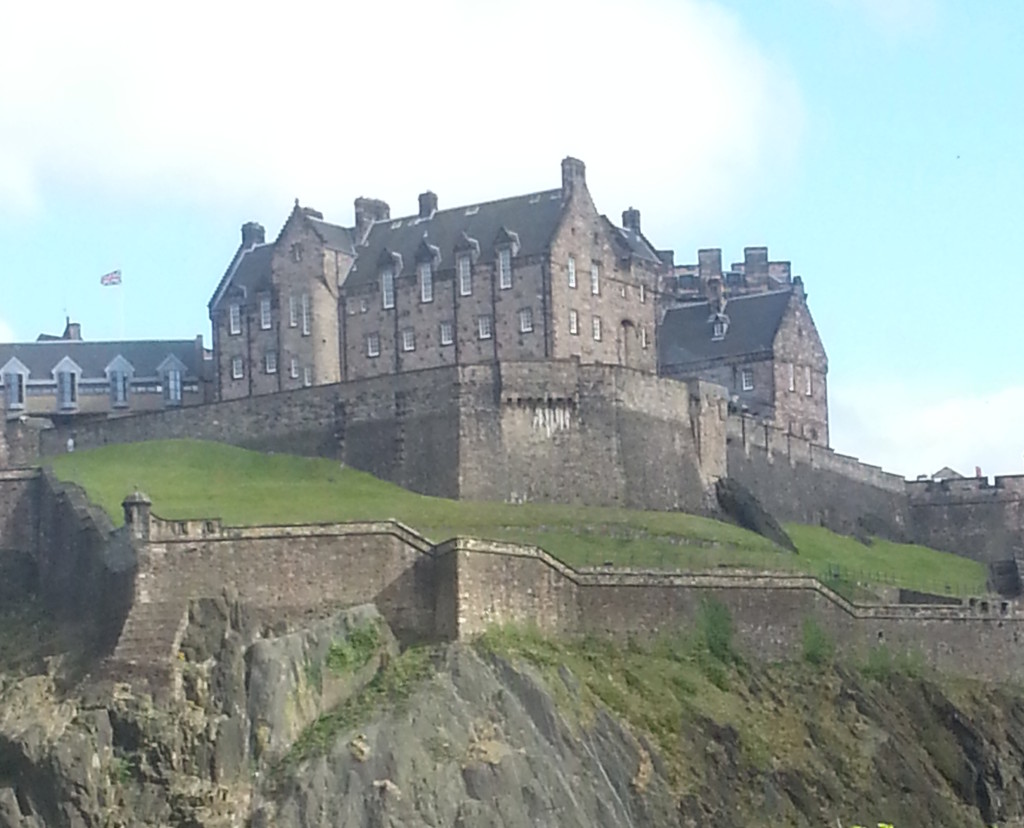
<point>755,274</point>
<point>1010,486</point>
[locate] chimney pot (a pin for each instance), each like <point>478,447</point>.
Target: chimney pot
<point>428,204</point>
<point>631,219</point>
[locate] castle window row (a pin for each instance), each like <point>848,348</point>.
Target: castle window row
<point>299,311</point>
<point>485,330</point>
<point>270,366</point>
<point>464,273</point>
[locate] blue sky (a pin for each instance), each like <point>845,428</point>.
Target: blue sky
<point>876,144</point>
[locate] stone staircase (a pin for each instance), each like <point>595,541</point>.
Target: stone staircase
<point>149,635</point>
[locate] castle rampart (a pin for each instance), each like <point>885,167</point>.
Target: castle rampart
<point>561,431</point>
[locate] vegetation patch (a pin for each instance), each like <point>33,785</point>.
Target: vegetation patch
<point>195,479</point>
<point>818,647</point>
<point>388,691</point>
<point>357,649</point>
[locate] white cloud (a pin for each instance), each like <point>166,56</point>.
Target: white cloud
<point>895,17</point>
<point>913,431</point>
<point>670,103</point>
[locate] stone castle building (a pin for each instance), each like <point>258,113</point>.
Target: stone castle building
<point>541,276</point>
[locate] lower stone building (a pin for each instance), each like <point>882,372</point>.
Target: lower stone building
<point>65,380</point>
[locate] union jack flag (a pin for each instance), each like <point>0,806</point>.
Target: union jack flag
<point>112,278</point>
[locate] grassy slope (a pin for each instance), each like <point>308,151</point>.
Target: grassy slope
<point>187,478</point>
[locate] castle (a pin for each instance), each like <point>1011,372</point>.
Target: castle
<point>536,277</point>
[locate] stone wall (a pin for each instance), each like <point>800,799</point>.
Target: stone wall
<point>85,568</point>
<point>807,483</point>
<point>19,510</point>
<point>970,516</point>
<point>502,583</point>
<point>19,444</point>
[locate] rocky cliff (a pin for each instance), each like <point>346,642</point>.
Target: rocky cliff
<point>330,725</point>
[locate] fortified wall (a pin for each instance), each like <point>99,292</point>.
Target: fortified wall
<point>454,590</point>
<point>594,434</point>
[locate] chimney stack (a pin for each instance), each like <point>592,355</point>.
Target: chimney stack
<point>253,234</point>
<point>755,267</point>
<point>369,210</point>
<point>574,175</point>
<point>631,219</point>
<point>72,330</point>
<point>428,204</point>
<point>709,264</point>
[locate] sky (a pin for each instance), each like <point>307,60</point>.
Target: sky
<point>875,144</point>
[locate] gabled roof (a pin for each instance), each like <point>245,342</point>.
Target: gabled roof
<point>533,218</point>
<point>686,335</point>
<point>145,356</point>
<point>631,242</point>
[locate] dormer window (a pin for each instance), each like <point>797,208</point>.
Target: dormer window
<point>387,288</point>
<point>120,385</point>
<point>67,389</point>
<point>505,268</point>
<point>719,326</point>
<point>14,375</point>
<point>465,276</point>
<point>14,390</point>
<point>235,319</point>
<point>171,371</point>
<point>426,282</point>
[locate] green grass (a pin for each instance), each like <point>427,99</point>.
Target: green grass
<point>194,479</point>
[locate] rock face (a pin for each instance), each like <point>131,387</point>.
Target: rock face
<point>330,726</point>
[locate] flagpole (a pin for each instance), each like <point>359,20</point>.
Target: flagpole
<point>120,297</point>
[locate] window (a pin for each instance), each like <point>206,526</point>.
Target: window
<point>447,333</point>
<point>807,380</point>
<point>483,327</point>
<point>792,377</point>
<point>120,382</point>
<point>296,252</point>
<point>572,272</point>
<point>237,368</point>
<point>719,329</point>
<point>747,379</point>
<point>643,338</point>
<point>426,282</point>
<point>67,389</point>
<point>270,362</point>
<point>408,339</point>
<point>574,322</point>
<point>465,276</point>
<point>373,345</point>
<point>265,313</point>
<point>526,320</point>
<point>643,295</point>
<point>14,390</point>
<point>387,288</point>
<point>307,377</point>
<point>172,386</point>
<point>294,368</point>
<point>595,279</point>
<point>235,319</point>
<point>305,314</point>
<point>505,268</point>
<point>596,327</point>
<point>293,312</point>
<point>364,306</point>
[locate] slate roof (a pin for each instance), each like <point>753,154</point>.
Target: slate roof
<point>333,235</point>
<point>686,333</point>
<point>532,217</point>
<point>93,357</point>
